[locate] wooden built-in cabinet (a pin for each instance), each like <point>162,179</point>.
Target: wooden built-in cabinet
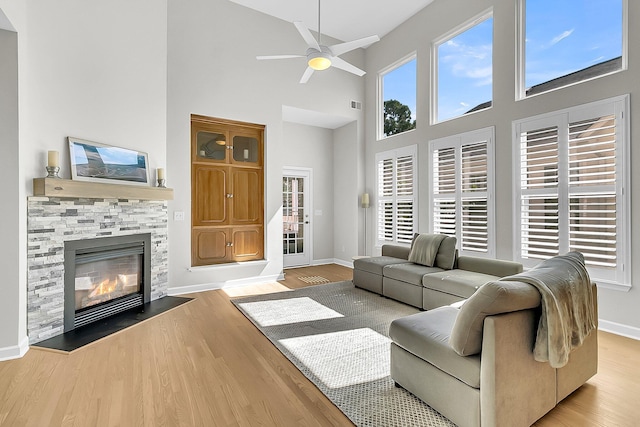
<point>227,185</point>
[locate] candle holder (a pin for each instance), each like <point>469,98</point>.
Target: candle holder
<point>52,172</point>
<point>161,183</point>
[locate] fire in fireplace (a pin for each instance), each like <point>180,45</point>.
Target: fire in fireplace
<point>105,276</point>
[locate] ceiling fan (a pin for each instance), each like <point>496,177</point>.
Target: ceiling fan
<point>320,57</point>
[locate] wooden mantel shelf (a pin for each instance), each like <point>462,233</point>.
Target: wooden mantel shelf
<point>52,187</point>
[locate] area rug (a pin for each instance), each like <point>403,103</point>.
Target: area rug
<point>337,336</point>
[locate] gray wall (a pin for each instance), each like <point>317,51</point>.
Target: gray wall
<point>213,72</point>
<point>13,292</point>
<point>312,147</point>
<point>618,310</point>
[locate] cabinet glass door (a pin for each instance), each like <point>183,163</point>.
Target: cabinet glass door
<point>211,146</point>
<point>246,149</point>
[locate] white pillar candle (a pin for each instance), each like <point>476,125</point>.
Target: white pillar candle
<point>246,154</point>
<point>53,160</point>
<point>160,173</point>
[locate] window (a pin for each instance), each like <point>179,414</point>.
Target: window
<point>397,91</point>
<point>462,190</point>
<point>396,190</point>
<point>463,78</point>
<point>571,177</point>
<point>563,42</point>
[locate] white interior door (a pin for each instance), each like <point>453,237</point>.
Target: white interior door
<point>296,217</point>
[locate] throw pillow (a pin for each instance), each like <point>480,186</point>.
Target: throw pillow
<point>425,248</point>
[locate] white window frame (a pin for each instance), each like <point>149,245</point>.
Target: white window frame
<point>434,63</point>
<point>457,142</point>
<point>521,31</point>
<point>380,107</point>
<point>618,106</point>
<point>393,155</point>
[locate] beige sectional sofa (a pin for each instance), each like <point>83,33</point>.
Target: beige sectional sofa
<point>476,364</point>
<point>450,279</point>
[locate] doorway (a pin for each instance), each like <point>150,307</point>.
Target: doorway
<point>296,219</point>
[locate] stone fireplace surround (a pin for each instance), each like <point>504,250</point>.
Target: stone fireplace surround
<point>53,220</point>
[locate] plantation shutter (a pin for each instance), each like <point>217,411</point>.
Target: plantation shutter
<point>592,190</point>
<point>539,233</point>
<point>571,188</point>
<point>396,196</point>
<point>474,233</point>
<point>461,188</point>
<point>444,191</point>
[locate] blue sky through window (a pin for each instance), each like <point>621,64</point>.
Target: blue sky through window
<point>563,36</point>
<point>400,84</point>
<point>465,70</point>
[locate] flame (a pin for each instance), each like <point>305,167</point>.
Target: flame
<point>105,287</point>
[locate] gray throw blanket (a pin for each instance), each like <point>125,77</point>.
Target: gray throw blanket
<point>568,309</point>
<point>425,248</point>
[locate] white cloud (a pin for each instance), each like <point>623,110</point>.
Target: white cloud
<point>562,36</point>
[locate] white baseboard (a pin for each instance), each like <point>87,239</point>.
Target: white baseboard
<point>15,351</point>
<point>619,329</point>
<point>258,280</point>
<point>332,261</point>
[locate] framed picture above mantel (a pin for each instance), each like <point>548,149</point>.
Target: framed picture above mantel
<point>96,162</point>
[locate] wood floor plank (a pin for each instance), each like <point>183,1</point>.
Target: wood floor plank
<point>205,364</point>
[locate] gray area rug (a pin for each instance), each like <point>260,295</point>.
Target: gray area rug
<point>338,336</point>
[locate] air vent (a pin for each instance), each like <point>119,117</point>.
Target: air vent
<point>356,105</point>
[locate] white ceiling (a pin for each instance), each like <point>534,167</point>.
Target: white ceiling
<point>344,20</point>
<point>313,118</point>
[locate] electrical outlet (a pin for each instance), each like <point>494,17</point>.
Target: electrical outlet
<point>178,216</point>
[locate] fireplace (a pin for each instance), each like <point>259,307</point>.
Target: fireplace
<point>105,276</point>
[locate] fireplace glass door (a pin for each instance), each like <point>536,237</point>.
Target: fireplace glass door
<point>107,276</point>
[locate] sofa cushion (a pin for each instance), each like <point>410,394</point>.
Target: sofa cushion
<point>425,248</point>
<point>376,264</point>
<point>426,335</point>
<point>447,253</point>
<point>492,298</point>
<point>461,283</point>
<point>409,273</point>
<point>494,267</point>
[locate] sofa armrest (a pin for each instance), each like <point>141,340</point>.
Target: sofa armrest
<point>515,389</point>
<point>494,267</point>
<point>396,251</point>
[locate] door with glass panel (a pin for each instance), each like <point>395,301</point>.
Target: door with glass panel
<point>296,218</point>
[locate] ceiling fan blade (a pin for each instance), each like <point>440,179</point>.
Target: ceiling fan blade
<point>307,75</point>
<point>306,35</point>
<point>263,57</point>
<point>344,65</point>
<point>340,48</point>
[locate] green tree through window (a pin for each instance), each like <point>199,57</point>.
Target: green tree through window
<point>397,118</point>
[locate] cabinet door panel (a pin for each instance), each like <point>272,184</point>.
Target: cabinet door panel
<point>247,243</point>
<point>247,196</point>
<point>210,246</point>
<point>210,195</point>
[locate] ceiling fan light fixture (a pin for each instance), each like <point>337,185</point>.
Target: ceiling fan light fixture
<point>319,61</point>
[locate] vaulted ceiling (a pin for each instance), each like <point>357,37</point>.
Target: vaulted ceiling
<point>344,20</point>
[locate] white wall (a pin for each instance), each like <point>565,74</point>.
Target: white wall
<point>95,70</point>
<point>438,18</point>
<point>312,147</point>
<point>213,72</point>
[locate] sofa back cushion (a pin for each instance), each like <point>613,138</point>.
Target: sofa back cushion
<point>446,257</point>
<point>491,298</point>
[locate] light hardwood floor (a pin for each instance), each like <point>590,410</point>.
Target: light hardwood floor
<point>205,364</point>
